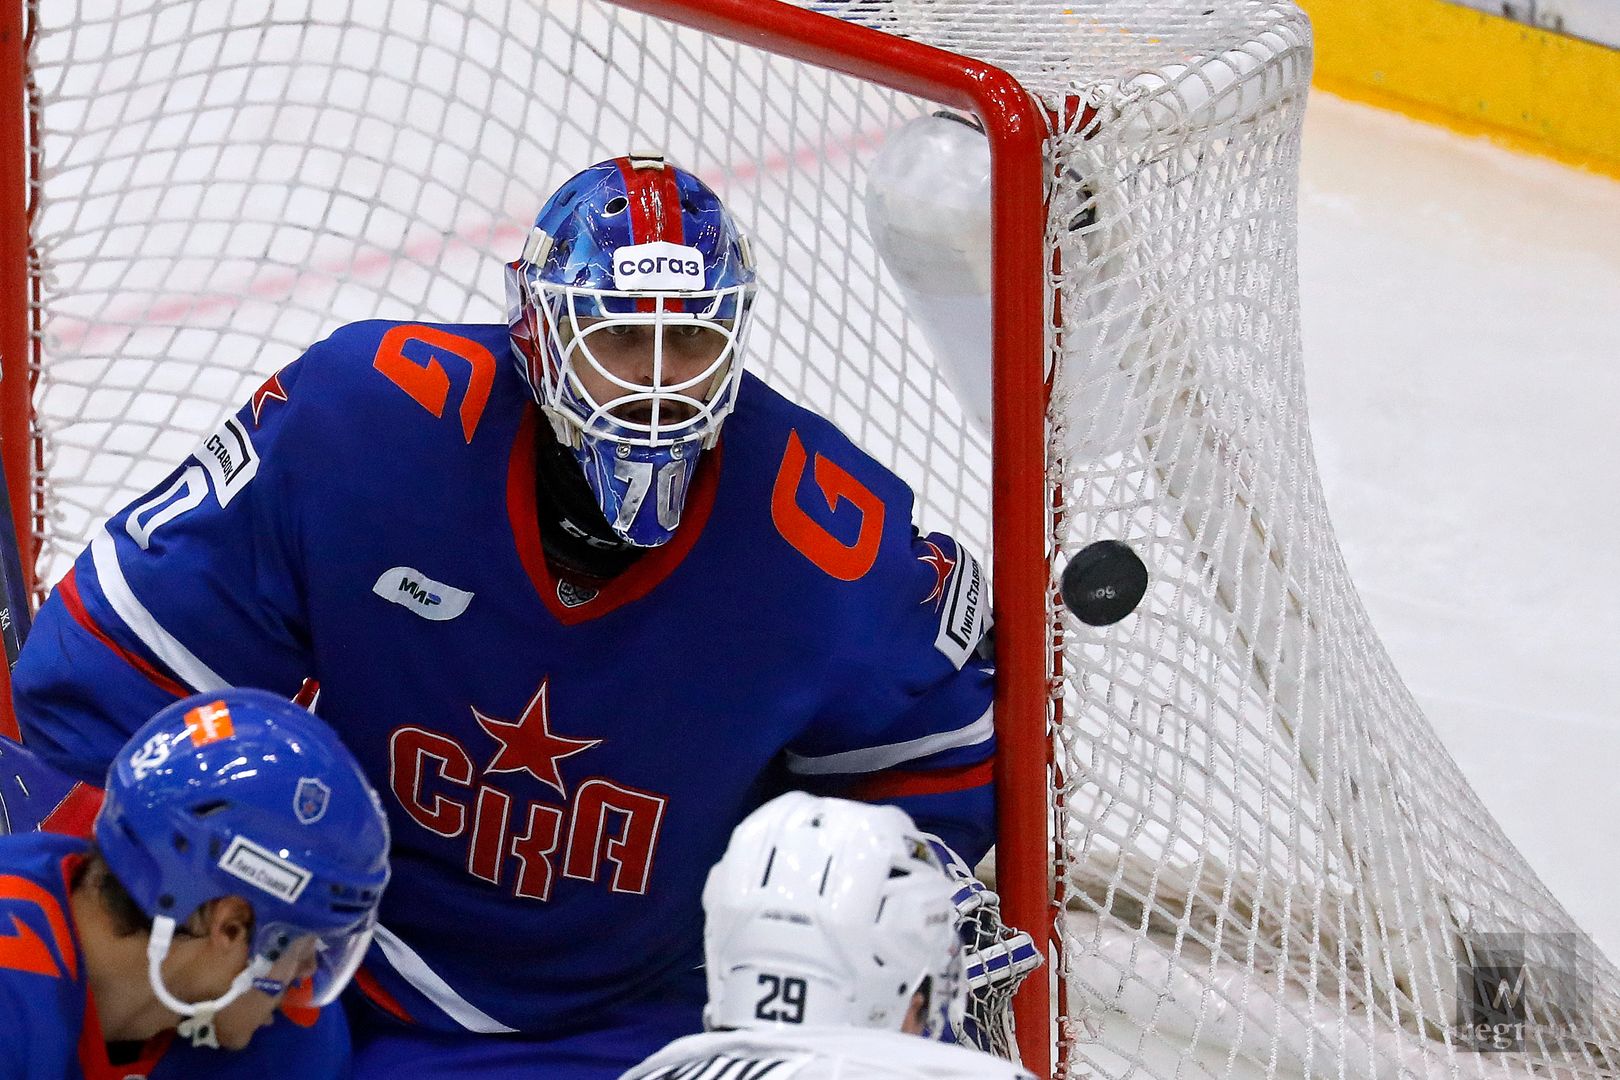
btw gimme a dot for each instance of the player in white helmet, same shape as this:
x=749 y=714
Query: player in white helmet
x=831 y=950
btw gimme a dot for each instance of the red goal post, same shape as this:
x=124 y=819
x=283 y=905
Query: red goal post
x=18 y=297
x=1016 y=127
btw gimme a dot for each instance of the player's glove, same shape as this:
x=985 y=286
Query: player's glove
x=998 y=957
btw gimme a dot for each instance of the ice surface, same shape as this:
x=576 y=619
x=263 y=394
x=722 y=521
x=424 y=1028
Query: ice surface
x=1462 y=350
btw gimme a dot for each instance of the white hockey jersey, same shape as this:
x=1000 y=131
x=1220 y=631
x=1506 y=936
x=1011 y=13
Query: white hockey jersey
x=819 y=1054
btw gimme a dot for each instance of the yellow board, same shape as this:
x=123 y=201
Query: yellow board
x=1479 y=73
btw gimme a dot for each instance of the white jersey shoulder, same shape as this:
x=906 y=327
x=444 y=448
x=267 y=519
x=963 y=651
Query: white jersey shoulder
x=819 y=1054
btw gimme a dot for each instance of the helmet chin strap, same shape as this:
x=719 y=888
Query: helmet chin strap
x=198 y=1022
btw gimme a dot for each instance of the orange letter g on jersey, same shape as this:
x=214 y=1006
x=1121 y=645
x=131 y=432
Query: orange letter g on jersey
x=846 y=562
x=426 y=380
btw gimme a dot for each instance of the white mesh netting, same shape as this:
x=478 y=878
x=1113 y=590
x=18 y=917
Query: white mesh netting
x=1266 y=864
x=225 y=183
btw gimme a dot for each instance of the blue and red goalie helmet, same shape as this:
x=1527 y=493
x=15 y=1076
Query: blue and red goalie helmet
x=629 y=307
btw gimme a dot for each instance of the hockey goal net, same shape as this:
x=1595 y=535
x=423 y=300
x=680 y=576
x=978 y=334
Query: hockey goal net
x=1248 y=851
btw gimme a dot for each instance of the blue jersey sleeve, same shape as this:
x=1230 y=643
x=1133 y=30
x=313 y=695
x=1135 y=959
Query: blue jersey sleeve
x=16 y=1006
x=914 y=725
x=40 y=1017
x=192 y=587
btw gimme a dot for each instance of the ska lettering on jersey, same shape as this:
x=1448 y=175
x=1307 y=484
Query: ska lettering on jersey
x=420 y=759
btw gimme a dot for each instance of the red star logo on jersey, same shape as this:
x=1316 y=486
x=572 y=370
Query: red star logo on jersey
x=942 y=565
x=528 y=745
x=271 y=390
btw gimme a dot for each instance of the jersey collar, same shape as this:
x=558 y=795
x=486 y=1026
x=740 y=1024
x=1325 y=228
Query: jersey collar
x=644 y=575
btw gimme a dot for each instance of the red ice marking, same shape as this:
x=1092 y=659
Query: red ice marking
x=74 y=335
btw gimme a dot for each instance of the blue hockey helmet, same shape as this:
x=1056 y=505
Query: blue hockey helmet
x=242 y=793
x=628 y=309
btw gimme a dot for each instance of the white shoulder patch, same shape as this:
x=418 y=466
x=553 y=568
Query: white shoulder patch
x=965 y=614
x=415 y=591
x=230 y=459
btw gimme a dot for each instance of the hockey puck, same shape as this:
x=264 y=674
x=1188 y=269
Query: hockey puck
x=1103 y=583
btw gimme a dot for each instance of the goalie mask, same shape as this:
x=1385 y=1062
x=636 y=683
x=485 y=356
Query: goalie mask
x=243 y=793
x=628 y=308
x=827 y=912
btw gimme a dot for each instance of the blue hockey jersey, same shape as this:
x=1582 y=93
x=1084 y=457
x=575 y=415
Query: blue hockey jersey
x=48 y=1024
x=561 y=765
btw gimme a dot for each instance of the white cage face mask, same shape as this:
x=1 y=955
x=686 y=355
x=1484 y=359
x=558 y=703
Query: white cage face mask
x=647 y=378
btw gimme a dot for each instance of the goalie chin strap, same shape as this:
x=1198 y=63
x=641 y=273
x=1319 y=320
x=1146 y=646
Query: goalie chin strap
x=198 y=1017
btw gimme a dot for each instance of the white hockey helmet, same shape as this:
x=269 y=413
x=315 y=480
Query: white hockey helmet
x=827 y=912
